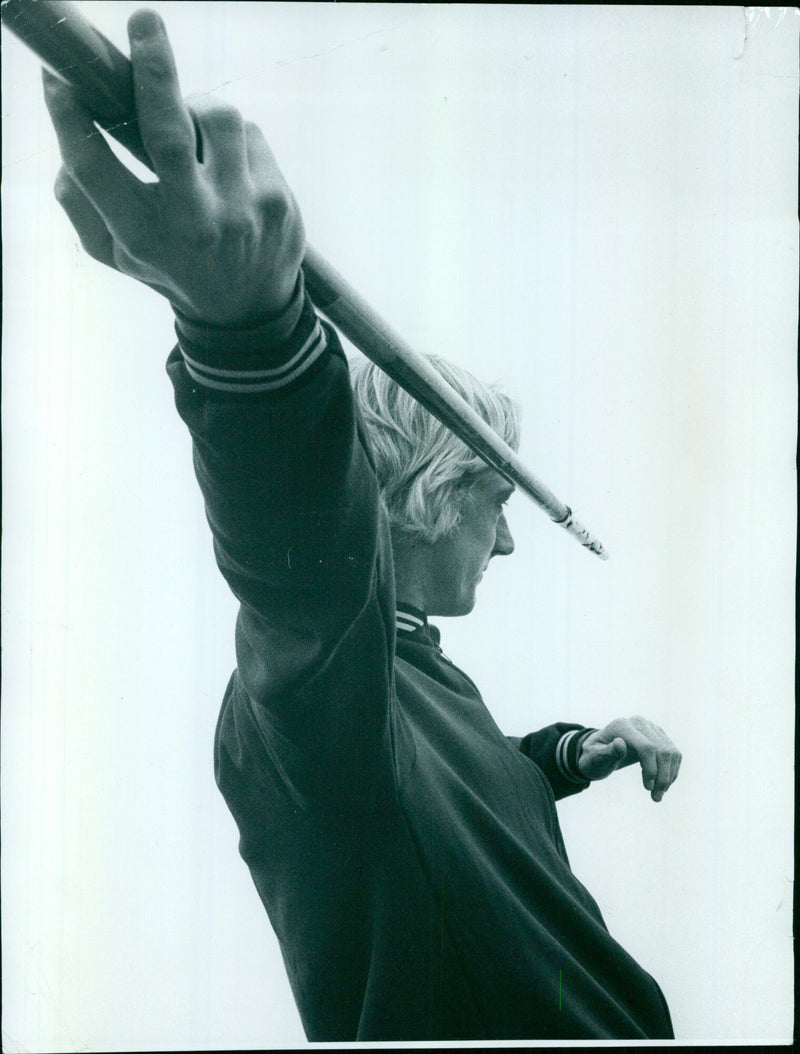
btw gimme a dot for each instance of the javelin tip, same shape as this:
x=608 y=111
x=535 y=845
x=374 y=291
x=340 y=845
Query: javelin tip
x=587 y=540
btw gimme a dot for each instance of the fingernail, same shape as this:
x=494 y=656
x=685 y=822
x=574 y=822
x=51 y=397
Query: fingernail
x=144 y=24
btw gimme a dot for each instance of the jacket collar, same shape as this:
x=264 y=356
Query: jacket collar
x=412 y=625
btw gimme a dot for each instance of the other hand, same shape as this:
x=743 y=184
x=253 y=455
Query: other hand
x=626 y=741
x=221 y=238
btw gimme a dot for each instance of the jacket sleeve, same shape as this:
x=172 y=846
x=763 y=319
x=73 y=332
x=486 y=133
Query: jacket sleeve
x=298 y=529
x=556 y=749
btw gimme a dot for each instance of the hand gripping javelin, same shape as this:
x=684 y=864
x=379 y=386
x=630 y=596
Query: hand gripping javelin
x=79 y=54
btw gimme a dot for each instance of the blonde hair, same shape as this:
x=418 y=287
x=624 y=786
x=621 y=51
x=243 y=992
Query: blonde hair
x=424 y=471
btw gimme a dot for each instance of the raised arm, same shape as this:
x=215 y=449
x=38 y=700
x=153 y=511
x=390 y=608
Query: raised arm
x=289 y=489
x=222 y=239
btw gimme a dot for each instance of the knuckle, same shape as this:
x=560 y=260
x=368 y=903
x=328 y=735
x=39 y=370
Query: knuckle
x=169 y=148
x=281 y=213
x=80 y=169
x=123 y=260
x=234 y=218
x=137 y=243
x=277 y=214
x=94 y=248
x=224 y=116
x=276 y=202
x=63 y=187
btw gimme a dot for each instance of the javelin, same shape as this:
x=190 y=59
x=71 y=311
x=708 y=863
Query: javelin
x=70 y=46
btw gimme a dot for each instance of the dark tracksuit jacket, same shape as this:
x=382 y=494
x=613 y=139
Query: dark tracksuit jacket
x=407 y=852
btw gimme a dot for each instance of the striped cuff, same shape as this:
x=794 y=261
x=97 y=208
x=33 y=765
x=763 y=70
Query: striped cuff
x=253 y=360
x=568 y=750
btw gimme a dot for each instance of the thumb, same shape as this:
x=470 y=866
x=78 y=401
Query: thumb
x=619 y=747
x=613 y=753
x=598 y=759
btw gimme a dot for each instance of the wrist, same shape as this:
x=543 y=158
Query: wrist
x=568 y=754
x=579 y=763
x=255 y=360
x=270 y=304
x=270 y=323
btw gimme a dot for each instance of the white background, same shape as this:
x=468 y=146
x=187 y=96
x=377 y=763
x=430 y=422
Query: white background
x=595 y=206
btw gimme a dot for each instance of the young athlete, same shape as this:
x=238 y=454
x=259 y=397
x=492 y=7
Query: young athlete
x=407 y=852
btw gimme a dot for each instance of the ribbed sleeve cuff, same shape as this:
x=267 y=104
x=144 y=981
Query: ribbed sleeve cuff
x=568 y=750
x=258 y=359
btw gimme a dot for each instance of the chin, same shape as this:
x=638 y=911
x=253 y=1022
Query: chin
x=456 y=600
x=461 y=606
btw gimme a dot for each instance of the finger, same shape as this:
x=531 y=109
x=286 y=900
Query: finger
x=85 y=218
x=619 y=748
x=669 y=760
x=613 y=753
x=598 y=760
x=88 y=159
x=164 y=121
x=224 y=146
x=259 y=156
x=95 y=236
x=662 y=781
x=275 y=195
x=263 y=167
x=646 y=753
x=654 y=750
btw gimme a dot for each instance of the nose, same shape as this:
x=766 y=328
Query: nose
x=503 y=539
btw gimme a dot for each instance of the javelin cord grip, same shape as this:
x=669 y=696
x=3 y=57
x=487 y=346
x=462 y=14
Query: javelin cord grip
x=70 y=46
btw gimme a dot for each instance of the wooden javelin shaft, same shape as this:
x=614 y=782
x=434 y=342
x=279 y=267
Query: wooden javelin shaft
x=70 y=46
x=362 y=325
